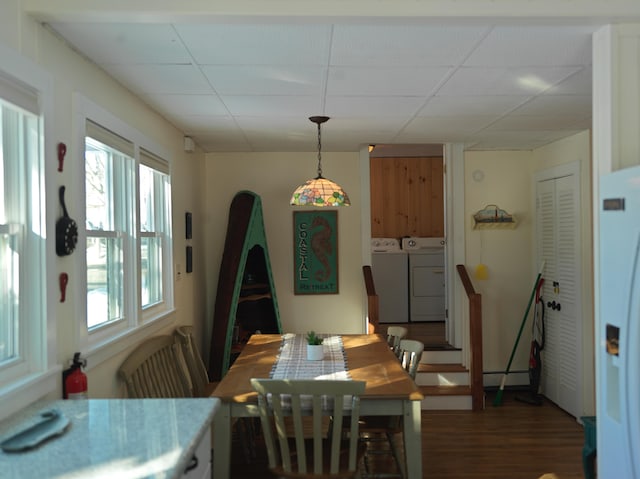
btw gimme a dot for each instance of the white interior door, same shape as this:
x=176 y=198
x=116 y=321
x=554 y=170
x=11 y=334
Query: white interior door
x=558 y=244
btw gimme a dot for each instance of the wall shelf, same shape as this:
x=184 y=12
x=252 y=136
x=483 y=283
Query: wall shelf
x=492 y=217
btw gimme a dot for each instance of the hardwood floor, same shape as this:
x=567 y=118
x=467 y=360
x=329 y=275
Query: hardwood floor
x=512 y=441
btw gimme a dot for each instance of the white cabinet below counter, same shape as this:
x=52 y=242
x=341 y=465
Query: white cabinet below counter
x=119 y=438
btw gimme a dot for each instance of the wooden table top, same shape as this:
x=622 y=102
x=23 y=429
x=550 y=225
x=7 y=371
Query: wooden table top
x=368 y=359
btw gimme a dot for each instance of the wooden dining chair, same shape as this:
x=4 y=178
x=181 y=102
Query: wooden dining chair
x=153 y=370
x=300 y=456
x=394 y=335
x=377 y=429
x=202 y=387
x=200 y=383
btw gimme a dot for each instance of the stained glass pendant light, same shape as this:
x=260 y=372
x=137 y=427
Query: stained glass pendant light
x=319 y=191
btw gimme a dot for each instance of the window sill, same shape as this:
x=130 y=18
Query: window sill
x=22 y=393
x=116 y=344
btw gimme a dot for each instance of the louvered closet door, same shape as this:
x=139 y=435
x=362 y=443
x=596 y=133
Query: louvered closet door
x=558 y=244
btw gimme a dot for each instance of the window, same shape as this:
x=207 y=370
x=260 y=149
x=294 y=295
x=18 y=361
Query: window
x=128 y=233
x=27 y=360
x=20 y=139
x=155 y=190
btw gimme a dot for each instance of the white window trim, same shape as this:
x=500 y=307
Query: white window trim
x=98 y=351
x=44 y=377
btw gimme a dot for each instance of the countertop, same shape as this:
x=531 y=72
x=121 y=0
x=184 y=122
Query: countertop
x=112 y=438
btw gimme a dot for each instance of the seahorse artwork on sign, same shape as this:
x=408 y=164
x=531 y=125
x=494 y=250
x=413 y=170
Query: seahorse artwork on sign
x=321 y=246
x=315 y=242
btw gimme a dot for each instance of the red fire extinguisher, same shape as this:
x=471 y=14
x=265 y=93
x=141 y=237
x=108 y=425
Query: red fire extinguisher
x=74 y=381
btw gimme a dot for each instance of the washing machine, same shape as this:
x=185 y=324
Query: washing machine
x=390 y=270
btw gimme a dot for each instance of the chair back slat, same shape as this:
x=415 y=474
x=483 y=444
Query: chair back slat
x=193 y=361
x=410 y=353
x=315 y=398
x=394 y=335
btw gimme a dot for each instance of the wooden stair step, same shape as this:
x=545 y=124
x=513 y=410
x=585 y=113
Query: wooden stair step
x=441 y=368
x=440 y=347
x=445 y=390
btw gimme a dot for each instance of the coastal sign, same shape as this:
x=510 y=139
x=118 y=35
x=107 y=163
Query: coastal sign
x=315 y=246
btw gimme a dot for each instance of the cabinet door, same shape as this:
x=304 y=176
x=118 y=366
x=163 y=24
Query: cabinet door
x=558 y=244
x=427 y=289
x=200 y=465
x=407 y=197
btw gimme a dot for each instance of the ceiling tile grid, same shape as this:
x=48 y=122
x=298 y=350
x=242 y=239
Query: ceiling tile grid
x=251 y=86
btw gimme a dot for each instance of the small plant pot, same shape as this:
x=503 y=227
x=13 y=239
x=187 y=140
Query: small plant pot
x=315 y=352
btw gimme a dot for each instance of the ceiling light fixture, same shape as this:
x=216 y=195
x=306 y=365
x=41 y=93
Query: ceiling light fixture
x=319 y=191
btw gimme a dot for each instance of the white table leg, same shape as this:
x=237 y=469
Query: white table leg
x=222 y=442
x=412 y=436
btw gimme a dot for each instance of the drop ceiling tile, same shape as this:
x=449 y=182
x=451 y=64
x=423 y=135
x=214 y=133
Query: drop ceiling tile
x=518 y=140
x=441 y=129
x=580 y=83
x=504 y=81
x=535 y=122
x=508 y=140
x=266 y=44
x=265 y=79
x=126 y=43
x=385 y=81
x=534 y=45
x=398 y=45
x=169 y=79
x=577 y=106
x=361 y=106
x=272 y=106
x=376 y=129
x=209 y=124
x=187 y=104
x=293 y=128
x=221 y=143
x=471 y=105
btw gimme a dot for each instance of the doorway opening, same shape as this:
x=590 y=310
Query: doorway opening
x=407 y=191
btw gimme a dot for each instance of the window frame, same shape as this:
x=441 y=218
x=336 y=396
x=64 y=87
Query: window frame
x=41 y=371
x=108 y=340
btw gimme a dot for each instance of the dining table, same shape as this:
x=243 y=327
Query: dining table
x=390 y=391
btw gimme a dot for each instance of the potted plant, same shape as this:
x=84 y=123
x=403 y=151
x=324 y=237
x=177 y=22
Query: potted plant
x=314 y=347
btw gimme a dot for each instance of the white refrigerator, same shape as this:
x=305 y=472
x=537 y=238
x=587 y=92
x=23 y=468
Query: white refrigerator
x=618 y=327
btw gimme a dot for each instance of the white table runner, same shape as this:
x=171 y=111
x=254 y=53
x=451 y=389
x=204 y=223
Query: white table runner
x=292 y=362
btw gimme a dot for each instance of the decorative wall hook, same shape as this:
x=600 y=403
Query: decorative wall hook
x=64 y=280
x=62 y=151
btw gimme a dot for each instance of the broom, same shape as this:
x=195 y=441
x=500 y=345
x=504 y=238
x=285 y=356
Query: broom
x=498 y=399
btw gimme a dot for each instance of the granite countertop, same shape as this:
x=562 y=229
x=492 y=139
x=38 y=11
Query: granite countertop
x=112 y=438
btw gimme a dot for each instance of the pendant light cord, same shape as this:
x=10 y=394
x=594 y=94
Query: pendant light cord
x=319 y=154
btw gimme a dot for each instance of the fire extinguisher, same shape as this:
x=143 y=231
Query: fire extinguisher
x=74 y=381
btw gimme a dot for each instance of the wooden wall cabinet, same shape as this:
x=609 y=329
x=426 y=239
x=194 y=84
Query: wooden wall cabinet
x=407 y=197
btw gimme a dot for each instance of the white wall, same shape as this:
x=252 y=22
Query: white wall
x=274 y=176
x=72 y=73
x=505 y=252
